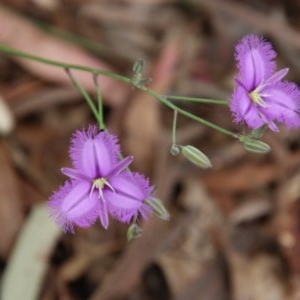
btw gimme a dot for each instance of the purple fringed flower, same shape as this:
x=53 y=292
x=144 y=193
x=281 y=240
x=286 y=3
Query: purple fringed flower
x=261 y=97
x=99 y=185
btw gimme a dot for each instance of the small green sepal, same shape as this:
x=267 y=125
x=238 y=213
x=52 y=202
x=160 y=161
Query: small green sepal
x=158 y=208
x=138 y=66
x=133 y=232
x=258 y=133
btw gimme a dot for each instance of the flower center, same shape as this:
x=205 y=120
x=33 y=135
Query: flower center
x=257 y=99
x=100 y=184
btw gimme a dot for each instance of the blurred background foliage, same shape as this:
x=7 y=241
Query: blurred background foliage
x=234 y=229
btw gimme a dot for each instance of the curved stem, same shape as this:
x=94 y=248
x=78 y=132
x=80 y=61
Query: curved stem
x=94 y=71
x=169 y=104
x=199 y=100
x=100 y=104
x=174 y=127
x=11 y=51
x=84 y=93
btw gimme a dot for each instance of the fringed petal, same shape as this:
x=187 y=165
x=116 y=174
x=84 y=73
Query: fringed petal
x=72 y=204
x=94 y=153
x=107 y=152
x=255 y=58
x=127 y=200
x=283 y=100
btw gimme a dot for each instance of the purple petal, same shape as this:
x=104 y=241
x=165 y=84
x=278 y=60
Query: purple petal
x=276 y=77
x=244 y=110
x=94 y=154
x=107 y=152
x=120 y=166
x=283 y=103
x=74 y=174
x=127 y=200
x=103 y=213
x=72 y=204
x=255 y=58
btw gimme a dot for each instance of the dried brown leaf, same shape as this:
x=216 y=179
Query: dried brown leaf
x=256 y=277
x=187 y=258
x=288 y=222
x=22 y=35
x=11 y=212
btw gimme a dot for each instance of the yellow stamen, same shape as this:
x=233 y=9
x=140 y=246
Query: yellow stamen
x=256 y=98
x=99 y=184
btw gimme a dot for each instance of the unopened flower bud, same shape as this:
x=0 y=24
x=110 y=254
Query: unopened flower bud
x=133 y=232
x=138 y=80
x=255 y=146
x=158 y=208
x=196 y=156
x=138 y=66
x=175 y=150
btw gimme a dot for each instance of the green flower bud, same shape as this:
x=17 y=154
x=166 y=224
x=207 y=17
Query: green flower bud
x=138 y=80
x=255 y=146
x=158 y=208
x=175 y=150
x=133 y=232
x=196 y=156
x=138 y=66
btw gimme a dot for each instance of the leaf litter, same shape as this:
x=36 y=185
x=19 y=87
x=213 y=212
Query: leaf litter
x=234 y=230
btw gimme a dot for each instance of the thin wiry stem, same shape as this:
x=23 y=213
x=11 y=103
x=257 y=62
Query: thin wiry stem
x=100 y=103
x=174 y=127
x=84 y=94
x=163 y=99
x=198 y=100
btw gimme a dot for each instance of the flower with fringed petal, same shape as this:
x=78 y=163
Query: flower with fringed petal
x=261 y=96
x=99 y=184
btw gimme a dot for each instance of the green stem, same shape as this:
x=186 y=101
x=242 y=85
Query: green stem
x=100 y=103
x=84 y=93
x=11 y=51
x=199 y=100
x=174 y=127
x=162 y=99
x=169 y=104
